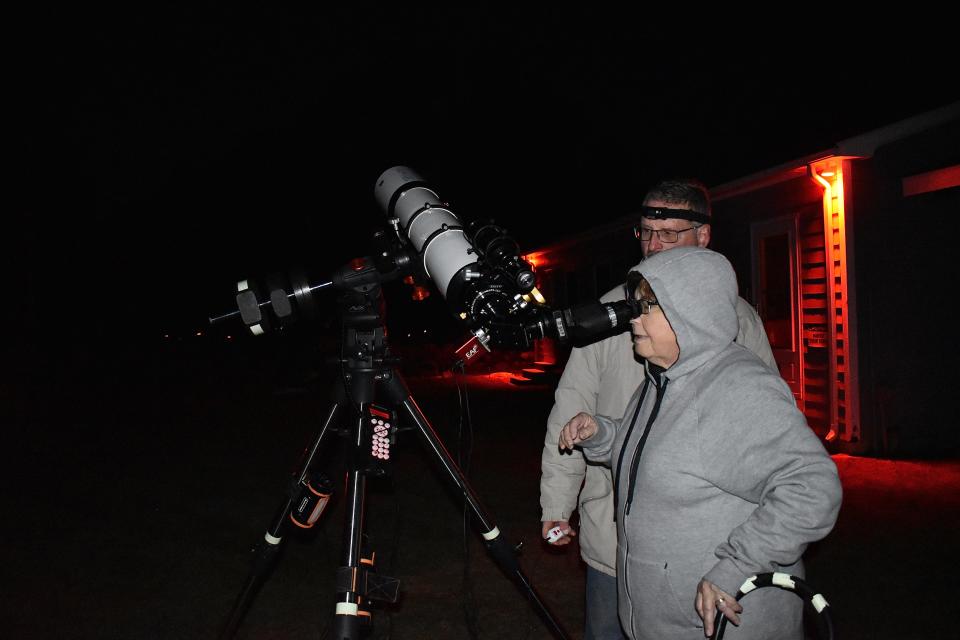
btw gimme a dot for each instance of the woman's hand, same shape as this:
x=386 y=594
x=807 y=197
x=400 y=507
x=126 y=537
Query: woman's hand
x=581 y=427
x=710 y=599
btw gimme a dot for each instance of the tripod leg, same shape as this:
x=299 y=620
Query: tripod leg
x=501 y=551
x=346 y=624
x=265 y=551
x=347 y=620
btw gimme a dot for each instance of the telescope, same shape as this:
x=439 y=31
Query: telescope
x=476 y=267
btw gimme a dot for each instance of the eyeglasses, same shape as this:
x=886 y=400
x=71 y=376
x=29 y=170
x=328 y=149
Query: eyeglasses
x=639 y=306
x=643 y=306
x=667 y=236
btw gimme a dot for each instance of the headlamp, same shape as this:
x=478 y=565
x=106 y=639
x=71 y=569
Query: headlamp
x=665 y=213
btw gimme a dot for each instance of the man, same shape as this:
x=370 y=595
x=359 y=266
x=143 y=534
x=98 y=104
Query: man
x=599 y=379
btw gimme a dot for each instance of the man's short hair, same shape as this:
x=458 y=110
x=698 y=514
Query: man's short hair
x=686 y=191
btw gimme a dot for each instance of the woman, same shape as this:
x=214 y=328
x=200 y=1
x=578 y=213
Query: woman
x=716 y=475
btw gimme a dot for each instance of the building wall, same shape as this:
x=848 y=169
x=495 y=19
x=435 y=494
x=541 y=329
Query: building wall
x=906 y=275
x=797 y=200
x=732 y=218
x=904 y=260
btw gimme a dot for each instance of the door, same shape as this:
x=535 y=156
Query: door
x=775 y=285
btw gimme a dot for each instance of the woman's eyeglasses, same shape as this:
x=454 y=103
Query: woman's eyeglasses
x=639 y=304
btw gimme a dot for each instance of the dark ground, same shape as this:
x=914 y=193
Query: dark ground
x=138 y=483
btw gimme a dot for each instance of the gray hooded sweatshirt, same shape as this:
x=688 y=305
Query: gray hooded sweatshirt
x=716 y=473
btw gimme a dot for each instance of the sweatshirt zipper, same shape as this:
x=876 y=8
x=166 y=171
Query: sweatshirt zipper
x=623 y=450
x=635 y=463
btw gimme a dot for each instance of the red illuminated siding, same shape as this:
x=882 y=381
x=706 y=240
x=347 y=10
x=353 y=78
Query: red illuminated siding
x=932 y=181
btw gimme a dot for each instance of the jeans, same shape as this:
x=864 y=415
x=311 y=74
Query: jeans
x=602 y=622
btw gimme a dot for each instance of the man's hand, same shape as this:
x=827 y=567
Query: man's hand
x=568 y=533
x=710 y=599
x=581 y=427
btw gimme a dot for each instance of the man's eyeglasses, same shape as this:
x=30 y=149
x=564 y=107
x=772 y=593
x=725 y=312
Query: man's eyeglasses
x=667 y=236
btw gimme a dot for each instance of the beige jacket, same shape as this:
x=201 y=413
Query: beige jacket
x=599 y=379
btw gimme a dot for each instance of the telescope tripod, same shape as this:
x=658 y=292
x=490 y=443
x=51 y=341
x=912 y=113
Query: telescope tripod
x=369 y=375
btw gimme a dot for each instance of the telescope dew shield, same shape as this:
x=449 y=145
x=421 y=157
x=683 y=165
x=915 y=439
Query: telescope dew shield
x=427 y=224
x=588 y=320
x=583 y=323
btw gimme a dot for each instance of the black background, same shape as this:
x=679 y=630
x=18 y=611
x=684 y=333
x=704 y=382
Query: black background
x=164 y=153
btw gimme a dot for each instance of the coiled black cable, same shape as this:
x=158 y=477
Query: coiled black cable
x=785 y=581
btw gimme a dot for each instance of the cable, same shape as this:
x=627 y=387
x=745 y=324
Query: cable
x=784 y=581
x=469 y=600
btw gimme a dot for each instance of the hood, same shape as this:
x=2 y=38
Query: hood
x=697 y=291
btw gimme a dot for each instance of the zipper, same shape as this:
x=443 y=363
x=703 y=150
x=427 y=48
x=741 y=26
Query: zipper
x=635 y=463
x=623 y=449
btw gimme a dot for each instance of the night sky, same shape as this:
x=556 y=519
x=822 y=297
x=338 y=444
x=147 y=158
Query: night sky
x=164 y=154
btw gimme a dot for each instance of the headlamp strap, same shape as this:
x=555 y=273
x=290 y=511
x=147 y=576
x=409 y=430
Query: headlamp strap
x=664 y=213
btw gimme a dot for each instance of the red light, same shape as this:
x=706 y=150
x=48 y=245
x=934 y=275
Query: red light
x=358 y=264
x=420 y=293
